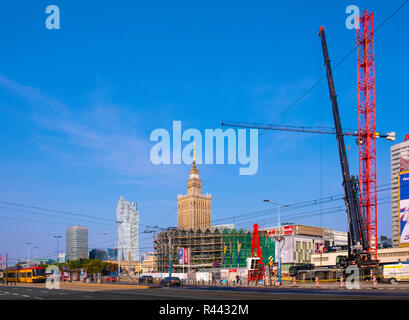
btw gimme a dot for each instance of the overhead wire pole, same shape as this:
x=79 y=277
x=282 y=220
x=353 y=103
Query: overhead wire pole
x=118 y=255
x=58 y=259
x=279 y=237
x=154 y=229
x=28 y=253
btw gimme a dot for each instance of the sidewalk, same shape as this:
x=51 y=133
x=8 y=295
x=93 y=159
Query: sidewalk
x=85 y=286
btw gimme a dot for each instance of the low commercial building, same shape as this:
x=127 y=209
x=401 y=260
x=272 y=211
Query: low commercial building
x=62 y=258
x=149 y=263
x=300 y=242
x=386 y=255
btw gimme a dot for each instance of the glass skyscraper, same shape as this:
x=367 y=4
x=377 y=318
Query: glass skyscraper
x=127 y=217
x=77 y=243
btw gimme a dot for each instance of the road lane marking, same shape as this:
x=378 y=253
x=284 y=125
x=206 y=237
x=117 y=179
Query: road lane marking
x=25 y=296
x=39 y=298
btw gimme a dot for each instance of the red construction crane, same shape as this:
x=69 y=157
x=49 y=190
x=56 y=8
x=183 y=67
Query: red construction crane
x=367 y=127
x=255 y=264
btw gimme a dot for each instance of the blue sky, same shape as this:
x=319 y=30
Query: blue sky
x=77 y=106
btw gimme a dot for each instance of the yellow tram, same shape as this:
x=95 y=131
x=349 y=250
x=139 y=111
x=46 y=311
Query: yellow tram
x=27 y=275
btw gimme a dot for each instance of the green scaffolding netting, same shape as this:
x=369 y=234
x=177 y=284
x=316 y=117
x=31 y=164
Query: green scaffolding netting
x=237 y=247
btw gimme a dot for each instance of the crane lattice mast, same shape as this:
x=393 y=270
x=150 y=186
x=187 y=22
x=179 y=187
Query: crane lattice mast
x=367 y=127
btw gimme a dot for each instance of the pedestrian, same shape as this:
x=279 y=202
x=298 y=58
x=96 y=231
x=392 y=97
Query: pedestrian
x=237 y=279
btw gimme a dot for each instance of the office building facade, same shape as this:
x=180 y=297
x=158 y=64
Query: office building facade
x=77 y=243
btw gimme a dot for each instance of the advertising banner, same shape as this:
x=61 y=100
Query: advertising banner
x=404 y=208
x=238 y=251
x=224 y=252
x=186 y=255
x=287 y=250
x=180 y=255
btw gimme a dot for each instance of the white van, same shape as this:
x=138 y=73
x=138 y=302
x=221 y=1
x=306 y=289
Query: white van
x=396 y=272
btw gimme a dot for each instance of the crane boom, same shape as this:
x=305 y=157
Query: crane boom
x=321 y=130
x=357 y=233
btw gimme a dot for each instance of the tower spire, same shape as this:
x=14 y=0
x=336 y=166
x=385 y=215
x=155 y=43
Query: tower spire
x=194 y=151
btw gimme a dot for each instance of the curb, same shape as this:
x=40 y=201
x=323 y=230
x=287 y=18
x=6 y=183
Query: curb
x=108 y=285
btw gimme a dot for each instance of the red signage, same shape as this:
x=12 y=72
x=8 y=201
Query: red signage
x=407 y=137
x=283 y=231
x=186 y=255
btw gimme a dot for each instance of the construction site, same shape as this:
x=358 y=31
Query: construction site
x=212 y=247
x=208 y=249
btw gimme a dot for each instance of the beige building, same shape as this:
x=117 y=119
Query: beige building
x=387 y=255
x=150 y=263
x=194 y=208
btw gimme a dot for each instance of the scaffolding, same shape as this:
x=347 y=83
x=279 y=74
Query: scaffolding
x=205 y=249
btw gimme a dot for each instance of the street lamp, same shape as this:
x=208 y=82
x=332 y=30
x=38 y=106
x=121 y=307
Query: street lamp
x=36 y=253
x=279 y=237
x=28 y=253
x=58 y=253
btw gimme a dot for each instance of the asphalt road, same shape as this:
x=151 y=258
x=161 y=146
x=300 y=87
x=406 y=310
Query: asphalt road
x=77 y=292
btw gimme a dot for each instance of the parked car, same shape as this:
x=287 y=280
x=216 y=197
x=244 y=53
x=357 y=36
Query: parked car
x=145 y=280
x=173 y=281
x=111 y=279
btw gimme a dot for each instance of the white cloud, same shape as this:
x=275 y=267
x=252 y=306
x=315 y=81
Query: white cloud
x=104 y=134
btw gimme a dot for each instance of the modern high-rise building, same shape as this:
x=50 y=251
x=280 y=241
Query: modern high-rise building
x=112 y=253
x=399 y=163
x=194 y=208
x=98 y=254
x=127 y=217
x=77 y=243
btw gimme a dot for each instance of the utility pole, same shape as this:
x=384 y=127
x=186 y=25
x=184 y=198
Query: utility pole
x=7 y=270
x=279 y=237
x=153 y=229
x=170 y=256
x=35 y=253
x=58 y=260
x=119 y=256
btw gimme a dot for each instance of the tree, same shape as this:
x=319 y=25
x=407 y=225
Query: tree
x=93 y=266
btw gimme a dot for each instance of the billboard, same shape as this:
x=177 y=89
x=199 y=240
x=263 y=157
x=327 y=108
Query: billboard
x=287 y=250
x=403 y=209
